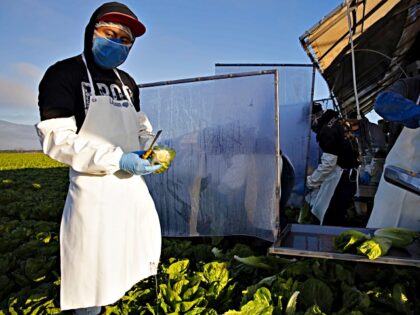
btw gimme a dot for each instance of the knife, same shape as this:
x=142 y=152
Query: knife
x=149 y=151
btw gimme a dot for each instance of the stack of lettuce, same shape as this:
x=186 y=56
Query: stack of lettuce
x=352 y=241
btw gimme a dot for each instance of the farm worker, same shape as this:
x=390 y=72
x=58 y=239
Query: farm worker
x=110 y=235
x=372 y=145
x=333 y=184
x=394 y=206
x=370 y=136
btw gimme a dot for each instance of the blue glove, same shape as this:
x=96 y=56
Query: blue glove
x=394 y=107
x=364 y=178
x=133 y=164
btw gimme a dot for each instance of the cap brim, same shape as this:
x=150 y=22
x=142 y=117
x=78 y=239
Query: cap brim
x=136 y=27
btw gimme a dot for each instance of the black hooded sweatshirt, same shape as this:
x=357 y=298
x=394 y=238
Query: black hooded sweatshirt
x=333 y=139
x=64 y=90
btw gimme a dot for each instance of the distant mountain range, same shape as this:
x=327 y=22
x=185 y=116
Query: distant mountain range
x=18 y=137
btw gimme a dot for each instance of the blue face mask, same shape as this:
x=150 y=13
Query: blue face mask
x=109 y=53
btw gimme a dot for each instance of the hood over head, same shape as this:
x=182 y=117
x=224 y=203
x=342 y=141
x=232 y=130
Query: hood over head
x=325 y=118
x=111 y=12
x=316 y=108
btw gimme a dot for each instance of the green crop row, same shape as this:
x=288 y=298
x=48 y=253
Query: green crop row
x=231 y=275
x=13 y=161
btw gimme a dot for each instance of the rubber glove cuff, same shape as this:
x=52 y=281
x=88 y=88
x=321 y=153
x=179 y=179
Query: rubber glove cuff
x=133 y=164
x=139 y=153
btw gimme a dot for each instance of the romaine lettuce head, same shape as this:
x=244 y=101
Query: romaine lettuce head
x=163 y=156
x=375 y=247
x=400 y=237
x=349 y=240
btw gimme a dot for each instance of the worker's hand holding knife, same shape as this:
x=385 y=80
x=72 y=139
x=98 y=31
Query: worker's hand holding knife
x=133 y=164
x=137 y=162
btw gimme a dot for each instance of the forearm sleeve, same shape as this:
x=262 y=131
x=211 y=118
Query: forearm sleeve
x=327 y=165
x=59 y=141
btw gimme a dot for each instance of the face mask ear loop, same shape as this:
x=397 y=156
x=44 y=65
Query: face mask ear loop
x=124 y=87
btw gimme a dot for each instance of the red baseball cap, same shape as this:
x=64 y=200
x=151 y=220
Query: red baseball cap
x=136 y=27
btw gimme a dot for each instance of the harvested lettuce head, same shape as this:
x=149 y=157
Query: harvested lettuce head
x=375 y=247
x=163 y=156
x=348 y=240
x=400 y=237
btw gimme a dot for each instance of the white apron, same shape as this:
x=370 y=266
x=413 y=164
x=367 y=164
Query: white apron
x=110 y=234
x=319 y=199
x=394 y=206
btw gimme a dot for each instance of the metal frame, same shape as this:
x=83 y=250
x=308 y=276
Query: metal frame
x=207 y=78
x=275 y=73
x=318 y=239
x=263 y=65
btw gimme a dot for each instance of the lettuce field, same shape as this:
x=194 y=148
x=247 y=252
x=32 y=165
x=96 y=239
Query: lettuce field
x=220 y=275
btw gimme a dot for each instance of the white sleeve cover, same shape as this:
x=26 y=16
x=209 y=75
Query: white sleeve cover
x=327 y=165
x=145 y=133
x=59 y=141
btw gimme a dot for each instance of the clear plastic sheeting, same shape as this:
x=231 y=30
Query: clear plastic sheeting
x=225 y=177
x=295 y=95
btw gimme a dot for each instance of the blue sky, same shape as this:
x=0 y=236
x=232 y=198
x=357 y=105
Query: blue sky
x=184 y=39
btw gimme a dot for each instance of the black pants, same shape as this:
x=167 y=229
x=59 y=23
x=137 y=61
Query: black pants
x=342 y=199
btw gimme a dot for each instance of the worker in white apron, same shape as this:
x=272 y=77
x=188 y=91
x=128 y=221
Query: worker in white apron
x=110 y=235
x=332 y=186
x=394 y=206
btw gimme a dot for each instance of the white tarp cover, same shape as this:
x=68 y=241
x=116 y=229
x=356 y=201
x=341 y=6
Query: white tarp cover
x=385 y=41
x=295 y=95
x=225 y=178
x=330 y=36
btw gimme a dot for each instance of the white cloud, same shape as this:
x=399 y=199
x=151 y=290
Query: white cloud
x=14 y=93
x=27 y=70
x=18 y=86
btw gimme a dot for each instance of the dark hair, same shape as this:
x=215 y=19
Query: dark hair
x=316 y=108
x=353 y=115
